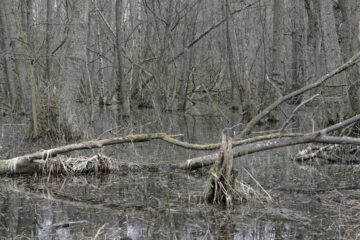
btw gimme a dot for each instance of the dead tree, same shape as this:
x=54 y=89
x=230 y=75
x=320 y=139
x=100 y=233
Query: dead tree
x=221 y=186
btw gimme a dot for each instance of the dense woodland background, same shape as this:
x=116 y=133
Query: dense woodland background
x=172 y=54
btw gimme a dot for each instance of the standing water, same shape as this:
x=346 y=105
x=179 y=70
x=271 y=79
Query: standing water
x=310 y=202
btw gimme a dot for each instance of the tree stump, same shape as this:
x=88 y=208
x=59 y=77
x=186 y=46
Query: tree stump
x=221 y=186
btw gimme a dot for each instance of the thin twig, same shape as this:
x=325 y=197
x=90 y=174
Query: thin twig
x=286 y=123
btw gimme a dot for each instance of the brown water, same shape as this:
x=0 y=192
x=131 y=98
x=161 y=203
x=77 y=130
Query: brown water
x=311 y=202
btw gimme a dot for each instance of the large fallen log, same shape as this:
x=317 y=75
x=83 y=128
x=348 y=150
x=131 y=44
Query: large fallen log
x=33 y=162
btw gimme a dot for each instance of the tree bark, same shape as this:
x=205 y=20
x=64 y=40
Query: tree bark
x=350 y=45
x=297 y=44
x=333 y=96
x=121 y=89
x=75 y=64
x=49 y=14
x=101 y=63
x=8 y=64
x=239 y=93
x=277 y=72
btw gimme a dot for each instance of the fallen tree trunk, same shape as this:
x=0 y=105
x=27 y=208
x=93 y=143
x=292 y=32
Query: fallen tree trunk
x=281 y=141
x=247 y=146
x=33 y=162
x=28 y=163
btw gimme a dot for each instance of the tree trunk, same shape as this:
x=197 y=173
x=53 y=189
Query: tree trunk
x=277 y=72
x=8 y=64
x=333 y=94
x=239 y=93
x=313 y=40
x=101 y=63
x=350 y=45
x=74 y=66
x=297 y=45
x=230 y=58
x=49 y=13
x=189 y=34
x=121 y=89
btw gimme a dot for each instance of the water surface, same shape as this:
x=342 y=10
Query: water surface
x=311 y=202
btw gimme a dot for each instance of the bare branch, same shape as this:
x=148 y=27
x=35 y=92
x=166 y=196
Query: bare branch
x=286 y=123
x=248 y=128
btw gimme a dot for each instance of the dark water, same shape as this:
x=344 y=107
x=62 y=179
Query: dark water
x=311 y=202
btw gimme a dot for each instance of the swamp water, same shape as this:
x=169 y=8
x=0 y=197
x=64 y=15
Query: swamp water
x=311 y=202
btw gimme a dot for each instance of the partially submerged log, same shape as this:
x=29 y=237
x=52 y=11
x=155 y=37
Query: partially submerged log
x=34 y=161
x=30 y=162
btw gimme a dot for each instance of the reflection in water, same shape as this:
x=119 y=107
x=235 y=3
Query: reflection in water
x=163 y=205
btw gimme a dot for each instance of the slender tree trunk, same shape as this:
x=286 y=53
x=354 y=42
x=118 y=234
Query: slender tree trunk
x=350 y=45
x=121 y=89
x=35 y=94
x=101 y=64
x=277 y=74
x=89 y=82
x=189 y=34
x=49 y=14
x=313 y=39
x=8 y=64
x=298 y=44
x=230 y=58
